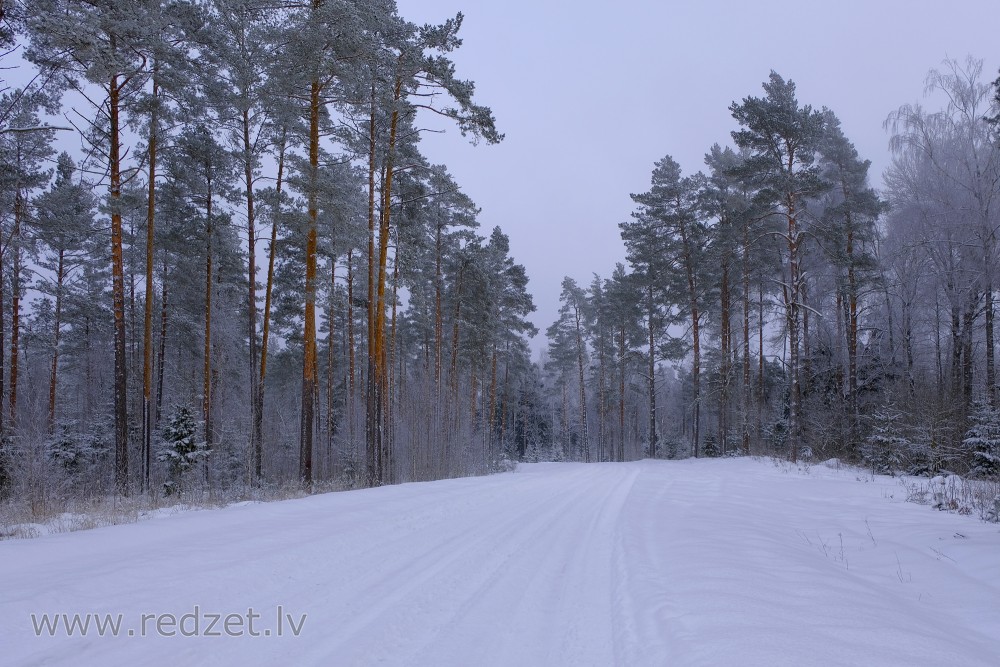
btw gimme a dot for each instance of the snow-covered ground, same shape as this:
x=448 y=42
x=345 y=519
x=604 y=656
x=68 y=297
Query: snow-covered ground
x=719 y=562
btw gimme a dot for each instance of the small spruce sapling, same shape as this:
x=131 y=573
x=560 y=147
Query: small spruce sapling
x=982 y=441
x=882 y=449
x=710 y=448
x=181 y=448
x=67 y=449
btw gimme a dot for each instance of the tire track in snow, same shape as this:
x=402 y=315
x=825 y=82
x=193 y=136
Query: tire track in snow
x=570 y=584
x=395 y=609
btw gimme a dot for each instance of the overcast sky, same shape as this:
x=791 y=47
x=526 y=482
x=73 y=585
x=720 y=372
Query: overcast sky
x=591 y=94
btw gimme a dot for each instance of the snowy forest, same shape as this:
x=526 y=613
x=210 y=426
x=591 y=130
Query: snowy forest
x=227 y=264
x=252 y=274
x=776 y=303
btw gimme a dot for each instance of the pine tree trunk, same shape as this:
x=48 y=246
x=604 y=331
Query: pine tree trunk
x=726 y=357
x=696 y=338
x=147 y=320
x=133 y=338
x=794 y=323
x=381 y=382
x=565 y=416
x=601 y=400
x=350 y=340
x=436 y=415
x=309 y=383
x=255 y=380
x=438 y=318
x=371 y=448
x=746 y=342
x=54 y=374
x=805 y=361
x=505 y=398
x=330 y=374
x=390 y=472
x=473 y=397
x=455 y=332
x=652 y=375
x=580 y=352
x=206 y=406
x=491 y=415
x=453 y=374
x=162 y=353
x=840 y=355
x=118 y=291
x=761 y=396
x=258 y=407
x=621 y=395
x=15 y=304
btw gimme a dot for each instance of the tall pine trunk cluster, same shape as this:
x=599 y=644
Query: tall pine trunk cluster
x=178 y=197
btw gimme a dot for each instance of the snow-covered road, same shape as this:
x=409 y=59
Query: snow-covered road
x=723 y=562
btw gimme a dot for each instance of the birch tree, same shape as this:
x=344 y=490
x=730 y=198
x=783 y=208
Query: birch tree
x=956 y=147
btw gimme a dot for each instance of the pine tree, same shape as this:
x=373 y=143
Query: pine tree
x=572 y=312
x=724 y=203
x=23 y=155
x=648 y=259
x=205 y=173
x=102 y=43
x=848 y=237
x=599 y=331
x=244 y=90
x=669 y=216
x=781 y=139
x=65 y=220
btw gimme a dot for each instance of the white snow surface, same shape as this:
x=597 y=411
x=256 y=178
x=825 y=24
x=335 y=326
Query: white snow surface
x=710 y=562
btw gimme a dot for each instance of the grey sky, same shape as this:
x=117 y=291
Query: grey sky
x=590 y=94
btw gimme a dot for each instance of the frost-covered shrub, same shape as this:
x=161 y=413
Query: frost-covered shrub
x=951 y=493
x=503 y=464
x=945 y=491
x=993 y=513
